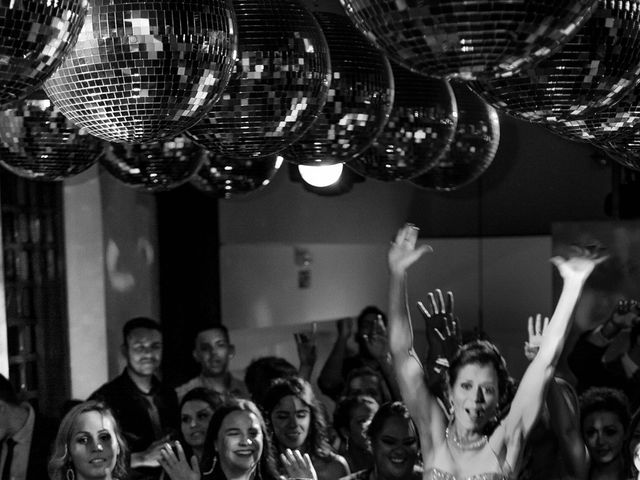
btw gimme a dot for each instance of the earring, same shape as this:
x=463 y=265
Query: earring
x=71 y=475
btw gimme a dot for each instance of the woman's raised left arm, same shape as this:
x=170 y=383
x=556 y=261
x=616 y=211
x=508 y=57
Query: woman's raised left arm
x=530 y=395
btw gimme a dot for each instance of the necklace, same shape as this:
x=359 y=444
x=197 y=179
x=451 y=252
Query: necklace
x=464 y=446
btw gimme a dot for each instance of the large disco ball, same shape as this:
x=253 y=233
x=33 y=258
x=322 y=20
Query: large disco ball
x=280 y=84
x=592 y=71
x=34 y=38
x=145 y=71
x=154 y=167
x=359 y=101
x=468 y=38
x=39 y=143
x=226 y=177
x=474 y=146
x=419 y=131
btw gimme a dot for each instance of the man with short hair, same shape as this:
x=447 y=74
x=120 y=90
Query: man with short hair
x=25 y=437
x=146 y=409
x=212 y=351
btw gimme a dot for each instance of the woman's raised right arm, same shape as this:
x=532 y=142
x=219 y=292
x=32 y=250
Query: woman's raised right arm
x=422 y=406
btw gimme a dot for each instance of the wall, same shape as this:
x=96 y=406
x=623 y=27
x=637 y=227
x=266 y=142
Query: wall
x=110 y=235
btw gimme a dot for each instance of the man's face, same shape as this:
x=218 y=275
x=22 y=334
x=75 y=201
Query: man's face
x=143 y=351
x=212 y=352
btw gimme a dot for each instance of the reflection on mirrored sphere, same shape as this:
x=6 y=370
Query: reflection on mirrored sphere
x=473 y=148
x=39 y=143
x=34 y=38
x=468 y=39
x=226 y=177
x=154 y=167
x=279 y=86
x=419 y=131
x=359 y=100
x=592 y=71
x=146 y=71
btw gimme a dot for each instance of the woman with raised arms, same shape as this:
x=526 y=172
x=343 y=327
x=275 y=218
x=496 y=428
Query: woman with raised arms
x=475 y=444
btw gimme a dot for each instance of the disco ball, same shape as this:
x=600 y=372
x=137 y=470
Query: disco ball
x=226 y=177
x=419 y=131
x=468 y=38
x=474 y=146
x=154 y=167
x=359 y=100
x=280 y=84
x=146 y=71
x=37 y=142
x=34 y=38
x=592 y=71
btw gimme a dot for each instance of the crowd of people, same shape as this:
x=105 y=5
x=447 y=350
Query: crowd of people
x=380 y=411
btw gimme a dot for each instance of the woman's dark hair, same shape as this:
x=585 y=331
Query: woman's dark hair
x=598 y=399
x=211 y=397
x=482 y=352
x=344 y=410
x=261 y=373
x=316 y=442
x=383 y=389
x=211 y=469
x=60 y=461
x=384 y=413
x=370 y=310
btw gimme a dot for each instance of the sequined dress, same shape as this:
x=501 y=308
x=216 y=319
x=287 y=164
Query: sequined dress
x=436 y=474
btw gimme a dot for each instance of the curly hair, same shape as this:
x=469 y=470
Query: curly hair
x=209 y=465
x=60 y=461
x=598 y=399
x=316 y=443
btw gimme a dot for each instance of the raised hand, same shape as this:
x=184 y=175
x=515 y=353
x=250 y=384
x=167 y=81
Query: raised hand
x=443 y=330
x=535 y=328
x=297 y=466
x=403 y=252
x=306 y=345
x=378 y=343
x=580 y=263
x=176 y=465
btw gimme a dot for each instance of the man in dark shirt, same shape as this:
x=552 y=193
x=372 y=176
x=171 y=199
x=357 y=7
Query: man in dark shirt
x=146 y=410
x=25 y=437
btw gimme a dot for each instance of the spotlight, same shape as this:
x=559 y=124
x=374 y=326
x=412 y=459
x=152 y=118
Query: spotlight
x=321 y=175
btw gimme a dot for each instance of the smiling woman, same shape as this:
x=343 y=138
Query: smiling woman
x=298 y=423
x=394 y=442
x=88 y=445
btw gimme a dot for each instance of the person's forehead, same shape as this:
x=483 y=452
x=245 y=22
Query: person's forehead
x=477 y=371
x=212 y=335
x=92 y=421
x=364 y=379
x=602 y=418
x=142 y=334
x=240 y=419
